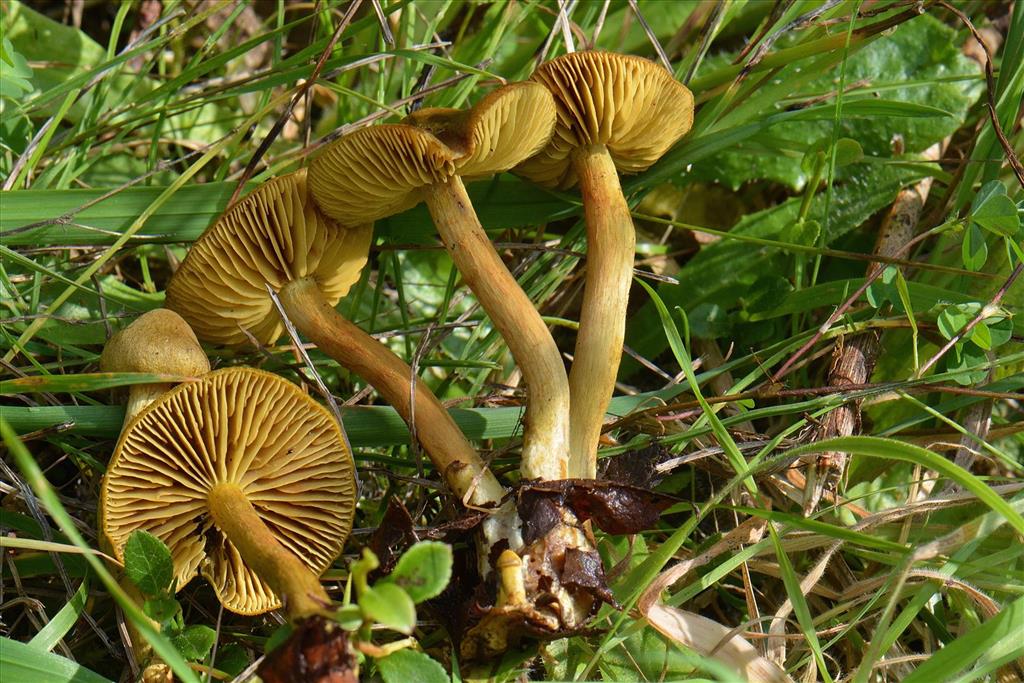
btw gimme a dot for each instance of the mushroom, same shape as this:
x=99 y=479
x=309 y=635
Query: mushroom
x=276 y=236
x=158 y=342
x=375 y=172
x=246 y=479
x=616 y=114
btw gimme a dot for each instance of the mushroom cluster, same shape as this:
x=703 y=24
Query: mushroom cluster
x=250 y=482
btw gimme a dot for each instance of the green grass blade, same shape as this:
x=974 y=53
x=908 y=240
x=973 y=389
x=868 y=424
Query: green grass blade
x=800 y=608
x=675 y=342
x=966 y=650
x=51 y=502
x=63 y=621
x=95 y=381
x=876 y=447
x=22 y=662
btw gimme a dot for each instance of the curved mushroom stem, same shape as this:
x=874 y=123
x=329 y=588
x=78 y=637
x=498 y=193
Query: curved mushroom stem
x=611 y=245
x=141 y=395
x=453 y=456
x=287 y=576
x=546 y=435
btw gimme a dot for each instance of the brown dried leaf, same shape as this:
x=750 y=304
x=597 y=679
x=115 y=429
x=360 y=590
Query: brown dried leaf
x=317 y=651
x=392 y=537
x=583 y=570
x=614 y=508
x=712 y=639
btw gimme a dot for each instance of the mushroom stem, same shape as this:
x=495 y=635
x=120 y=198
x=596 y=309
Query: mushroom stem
x=611 y=246
x=287 y=576
x=453 y=456
x=141 y=395
x=546 y=435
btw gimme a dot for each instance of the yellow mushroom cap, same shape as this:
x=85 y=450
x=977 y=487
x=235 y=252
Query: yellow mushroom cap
x=631 y=105
x=510 y=124
x=241 y=426
x=158 y=341
x=272 y=236
x=379 y=171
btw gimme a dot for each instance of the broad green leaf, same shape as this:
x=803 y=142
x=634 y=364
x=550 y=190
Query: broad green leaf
x=278 y=637
x=390 y=606
x=22 y=662
x=232 y=658
x=883 y=290
x=967 y=361
x=147 y=563
x=725 y=272
x=411 y=665
x=194 y=642
x=981 y=336
x=161 y=608
x=922 y=297
x=1000 y=330
x=423 y=570
x=922 y=102
x=15 y=73
x=647 y=655
x=995 y=211
x=974 y=249
x=848 y=151
x=349 y=617
x=952 y=319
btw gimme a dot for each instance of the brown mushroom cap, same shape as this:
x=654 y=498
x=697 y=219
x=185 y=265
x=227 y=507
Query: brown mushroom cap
x=507 y=126
x=274 y=235
x=381 y=171
x=629 y=104
x=241 y=426
x=158 y=341
x=377 y=172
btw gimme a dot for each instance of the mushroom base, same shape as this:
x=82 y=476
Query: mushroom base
x=548 y=591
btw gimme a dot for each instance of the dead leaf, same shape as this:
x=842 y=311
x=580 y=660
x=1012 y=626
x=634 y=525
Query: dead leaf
x=612 y=507
x=712 y=639
x=317 y=651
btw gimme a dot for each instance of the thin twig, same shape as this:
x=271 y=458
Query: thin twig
x=651 y=37
x=990 y=92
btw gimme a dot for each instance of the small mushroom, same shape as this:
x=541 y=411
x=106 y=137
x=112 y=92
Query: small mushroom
x=616 y=114
x=157 y=342
x=246 y=479
x=376 y=172
x=276 y=236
